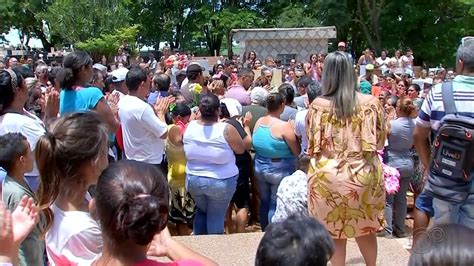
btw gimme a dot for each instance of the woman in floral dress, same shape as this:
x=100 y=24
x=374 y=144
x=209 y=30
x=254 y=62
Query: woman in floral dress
x=345 y=184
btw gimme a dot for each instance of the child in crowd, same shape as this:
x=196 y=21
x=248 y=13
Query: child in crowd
x=298 y=241
x=17 y=159
x=132 y=206
x=448 y=244
x=292 y=194
x=70 y=158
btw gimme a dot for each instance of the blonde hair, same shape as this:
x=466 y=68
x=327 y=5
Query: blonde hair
x=31 y=83
x=339 y=84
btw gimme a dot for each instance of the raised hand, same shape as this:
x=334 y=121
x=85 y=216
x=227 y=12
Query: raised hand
x=24 y=217
x=112 y=100
x=52 y=104
x=7 y=247
x=162 y=105
x=247 y=119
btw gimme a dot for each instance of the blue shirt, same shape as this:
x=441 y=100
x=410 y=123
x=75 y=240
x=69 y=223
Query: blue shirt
x=153 y=97
x=81 y=100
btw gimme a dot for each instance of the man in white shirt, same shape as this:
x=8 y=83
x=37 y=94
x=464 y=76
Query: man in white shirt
x=143 y=126
x=313 y=91
x=382 y=62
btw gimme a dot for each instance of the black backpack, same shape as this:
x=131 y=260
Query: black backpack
x=453 y=153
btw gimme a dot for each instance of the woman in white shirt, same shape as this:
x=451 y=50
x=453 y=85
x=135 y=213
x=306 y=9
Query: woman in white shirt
x=70 y=158
x=15 y=119
x=211 y=172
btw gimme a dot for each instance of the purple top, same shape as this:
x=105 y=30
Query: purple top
x=239 y=93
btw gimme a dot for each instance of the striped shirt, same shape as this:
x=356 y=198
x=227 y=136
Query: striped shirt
x=432 y=110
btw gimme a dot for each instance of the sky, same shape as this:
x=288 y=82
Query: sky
x=14 y=39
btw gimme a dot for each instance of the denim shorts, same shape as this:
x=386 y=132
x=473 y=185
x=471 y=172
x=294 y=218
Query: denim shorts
x=424 y=203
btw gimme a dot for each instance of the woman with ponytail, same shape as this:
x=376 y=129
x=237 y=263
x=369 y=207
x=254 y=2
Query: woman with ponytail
x=77 y=95
x=398 y=154
x=132 y=206
x=70 y=158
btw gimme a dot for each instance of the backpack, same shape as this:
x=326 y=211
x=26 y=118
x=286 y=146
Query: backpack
x=453 y=154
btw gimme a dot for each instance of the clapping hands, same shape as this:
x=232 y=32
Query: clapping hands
x=15 y=227
x=162 y=104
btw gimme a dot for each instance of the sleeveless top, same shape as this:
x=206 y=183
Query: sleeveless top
x=208 y=152
x=176 y=161
x=266 y=145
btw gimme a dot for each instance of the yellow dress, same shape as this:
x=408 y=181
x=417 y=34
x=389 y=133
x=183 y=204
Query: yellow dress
x=176 y=162
x=345 y=179
x=182 y=204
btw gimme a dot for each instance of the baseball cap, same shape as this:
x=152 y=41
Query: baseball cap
x=341 y=44
x=258 y=95
x=119 y=75
x=194 y=68
x=369 y=67
x=100 y=67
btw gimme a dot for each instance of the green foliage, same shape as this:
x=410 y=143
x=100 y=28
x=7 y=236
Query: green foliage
x=107 y=44
x=23 y=16
x=79 y=20
x=291 y=14
x=432 y=28
x=213 y=25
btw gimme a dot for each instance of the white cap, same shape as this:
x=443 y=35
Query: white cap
x=119 y=74
x=100 y=67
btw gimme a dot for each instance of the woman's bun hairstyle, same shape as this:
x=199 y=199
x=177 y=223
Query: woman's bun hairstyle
x=132 y=202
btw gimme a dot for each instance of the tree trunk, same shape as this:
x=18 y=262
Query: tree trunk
x=46 y=44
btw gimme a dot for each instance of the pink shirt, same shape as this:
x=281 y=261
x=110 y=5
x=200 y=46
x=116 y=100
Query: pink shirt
x=239 y=93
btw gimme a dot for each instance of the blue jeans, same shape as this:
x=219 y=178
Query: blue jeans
x=269 y=173
x=212 y=197
x=454 y=213
x=400 y=202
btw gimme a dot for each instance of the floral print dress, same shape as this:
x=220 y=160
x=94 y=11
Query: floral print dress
x=345 y=178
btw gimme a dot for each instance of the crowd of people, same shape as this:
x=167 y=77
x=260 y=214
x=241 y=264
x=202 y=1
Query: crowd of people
x=102 y=167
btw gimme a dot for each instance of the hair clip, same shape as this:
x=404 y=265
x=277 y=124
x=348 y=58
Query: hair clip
x=172 y=106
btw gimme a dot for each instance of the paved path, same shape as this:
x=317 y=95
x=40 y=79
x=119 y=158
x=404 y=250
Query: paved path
x=240 y=249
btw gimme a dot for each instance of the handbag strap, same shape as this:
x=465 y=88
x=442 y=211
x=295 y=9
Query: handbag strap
x=448 y=98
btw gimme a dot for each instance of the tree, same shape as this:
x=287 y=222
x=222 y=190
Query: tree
x=368 y=17
x=213 y=23
x=108 y=44
x=23 y=16
x=431 y=28
x=290 y=14
x=79 y=20
x=162 y=20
